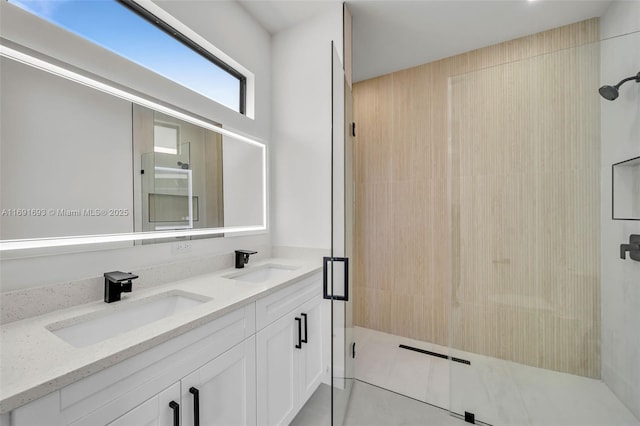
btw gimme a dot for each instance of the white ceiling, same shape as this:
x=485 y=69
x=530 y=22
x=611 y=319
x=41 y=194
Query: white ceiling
x=278 y=15
x=390 y=35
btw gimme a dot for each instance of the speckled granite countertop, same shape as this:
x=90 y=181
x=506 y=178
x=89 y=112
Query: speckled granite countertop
x=34 y=362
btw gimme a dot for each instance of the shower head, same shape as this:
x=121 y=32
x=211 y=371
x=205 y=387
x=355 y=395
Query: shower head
x=611 y=93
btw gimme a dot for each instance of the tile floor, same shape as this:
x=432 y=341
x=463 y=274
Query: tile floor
x=373 y=406
x=498 y=392
x=396 y=386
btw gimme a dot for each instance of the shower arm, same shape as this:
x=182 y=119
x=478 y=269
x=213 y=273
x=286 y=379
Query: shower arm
x=635 y=77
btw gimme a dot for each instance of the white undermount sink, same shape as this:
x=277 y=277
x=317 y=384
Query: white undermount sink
x=261 y=273
x=122 y=317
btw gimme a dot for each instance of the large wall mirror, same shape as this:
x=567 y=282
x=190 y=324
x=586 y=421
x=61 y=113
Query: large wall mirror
x=80 y=165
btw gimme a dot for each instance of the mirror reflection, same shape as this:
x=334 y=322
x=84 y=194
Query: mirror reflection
x=65 y=157
x=76 y=162
x=180 y=173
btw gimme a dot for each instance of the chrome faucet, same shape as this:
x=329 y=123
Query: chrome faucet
x=116 y=283
x=242 y=257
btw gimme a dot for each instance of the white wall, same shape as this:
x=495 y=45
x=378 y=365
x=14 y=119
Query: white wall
x=301 y=139
x=620 y=140
x=301 y=110
x=224 y=24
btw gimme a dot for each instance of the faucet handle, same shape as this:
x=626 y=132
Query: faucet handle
x=247 y=252
x=120 y=277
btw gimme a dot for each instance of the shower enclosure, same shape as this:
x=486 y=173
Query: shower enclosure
x=525 y=226
x=478 y=232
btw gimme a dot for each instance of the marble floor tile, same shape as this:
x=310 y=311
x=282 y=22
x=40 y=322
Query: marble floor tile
x=438 y=383
x=499 y=392
x=486 y=389
x=374 y=358
x=382 y=363
x=409 y=374
x=553 y=398
x=317 y=410
x=373 y=406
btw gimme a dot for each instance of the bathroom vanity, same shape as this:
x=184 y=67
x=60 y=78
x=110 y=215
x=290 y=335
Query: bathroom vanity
x=228 y=348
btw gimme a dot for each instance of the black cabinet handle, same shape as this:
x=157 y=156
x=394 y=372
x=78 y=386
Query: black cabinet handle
x=176 y=412
x=299 y=344
x=305 y=329
x=196 y=405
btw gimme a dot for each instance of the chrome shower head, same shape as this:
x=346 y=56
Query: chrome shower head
x=611 y=93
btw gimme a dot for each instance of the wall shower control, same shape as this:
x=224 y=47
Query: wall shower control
x=633 y=248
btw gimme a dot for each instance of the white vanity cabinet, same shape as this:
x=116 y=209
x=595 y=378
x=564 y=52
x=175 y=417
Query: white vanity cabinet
x=277 y=366
x=225 y=389
x=256 y=365
x=288 y=350
x=162 y=409
x=218 y=356
x=220 y=393
x=311 y=361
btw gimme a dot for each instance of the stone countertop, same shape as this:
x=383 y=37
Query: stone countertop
x=34 y=362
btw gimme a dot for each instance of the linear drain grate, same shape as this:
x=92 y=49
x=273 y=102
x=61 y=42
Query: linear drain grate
x=436 y=354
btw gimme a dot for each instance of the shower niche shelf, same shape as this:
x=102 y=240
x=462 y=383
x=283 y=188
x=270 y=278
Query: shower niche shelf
x=626 y=189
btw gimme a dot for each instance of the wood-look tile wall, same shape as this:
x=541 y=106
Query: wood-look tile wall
x=525 y=203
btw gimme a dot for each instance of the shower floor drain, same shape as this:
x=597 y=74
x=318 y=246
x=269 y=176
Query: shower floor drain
x=436 y=354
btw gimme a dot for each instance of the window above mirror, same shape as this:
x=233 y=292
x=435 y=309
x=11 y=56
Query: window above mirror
x=127 y=29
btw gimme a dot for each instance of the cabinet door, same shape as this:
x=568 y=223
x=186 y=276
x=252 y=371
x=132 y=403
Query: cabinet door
x=311 y=354
x=225 y=389
x=277 y=371
x=153 y=412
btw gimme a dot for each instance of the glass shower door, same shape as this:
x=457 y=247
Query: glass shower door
x=337 y=273
x=525 y=188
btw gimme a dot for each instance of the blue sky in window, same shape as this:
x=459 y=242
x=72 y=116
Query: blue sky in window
x=114 y=27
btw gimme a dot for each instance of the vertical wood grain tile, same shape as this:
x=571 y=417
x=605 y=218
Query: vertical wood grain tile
x=521 y=227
